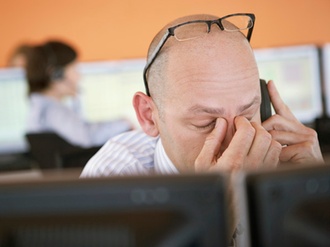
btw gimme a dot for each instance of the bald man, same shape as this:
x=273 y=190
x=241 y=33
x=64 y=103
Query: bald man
x=201 y=111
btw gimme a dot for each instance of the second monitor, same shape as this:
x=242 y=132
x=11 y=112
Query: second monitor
x=296 y=73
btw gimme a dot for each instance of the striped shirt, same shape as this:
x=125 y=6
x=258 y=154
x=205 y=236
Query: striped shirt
x=130 y=153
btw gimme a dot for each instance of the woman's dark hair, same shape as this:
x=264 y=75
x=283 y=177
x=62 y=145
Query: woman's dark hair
x=46 y=63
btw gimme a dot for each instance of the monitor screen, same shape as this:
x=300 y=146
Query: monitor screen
x=296 y=73
x=13 y=110
x=326 y=75
x=107 y=89
x=289 y=207
x=148 y=211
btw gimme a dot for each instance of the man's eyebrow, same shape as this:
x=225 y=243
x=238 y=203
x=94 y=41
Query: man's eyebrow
x=203 y=109
x=210 y=110
x=255 y=100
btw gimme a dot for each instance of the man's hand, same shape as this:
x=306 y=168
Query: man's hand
x=251 y=147
x=300 y=143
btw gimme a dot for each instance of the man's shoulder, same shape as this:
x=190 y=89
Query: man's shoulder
x=134 y=139
x=126 y=154
x=133 y=143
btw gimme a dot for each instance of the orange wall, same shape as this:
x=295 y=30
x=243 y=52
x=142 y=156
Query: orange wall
x=117 y=29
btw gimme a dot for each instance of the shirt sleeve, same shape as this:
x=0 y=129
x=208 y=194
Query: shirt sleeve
x=111 y=160
x=131 y=153
x=75 y=130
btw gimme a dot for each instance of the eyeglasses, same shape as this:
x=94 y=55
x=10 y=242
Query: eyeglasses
x=184 y=32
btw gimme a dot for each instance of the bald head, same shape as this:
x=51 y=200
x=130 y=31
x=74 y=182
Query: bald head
x=226 y=49
x=180 y=20
x=196 y=81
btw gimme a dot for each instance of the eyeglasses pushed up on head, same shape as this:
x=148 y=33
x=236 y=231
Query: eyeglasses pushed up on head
x=184 y=32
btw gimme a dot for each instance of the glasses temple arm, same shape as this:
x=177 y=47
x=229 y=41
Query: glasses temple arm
x=153 y=57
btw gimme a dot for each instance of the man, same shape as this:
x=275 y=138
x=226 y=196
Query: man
x=202 y=108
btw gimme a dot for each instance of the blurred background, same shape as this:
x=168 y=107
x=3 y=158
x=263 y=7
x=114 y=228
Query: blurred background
x=116 y=29
x=291 y=39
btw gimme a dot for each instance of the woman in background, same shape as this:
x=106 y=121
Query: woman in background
x=52 y=75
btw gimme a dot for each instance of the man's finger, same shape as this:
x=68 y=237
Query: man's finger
x=273 y=155
x=234 y=156
x=260 y=146
x=277 y=122
x=290 y=138
x=279 y=106
x=208 y=155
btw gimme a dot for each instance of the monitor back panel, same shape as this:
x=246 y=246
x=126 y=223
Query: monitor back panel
x=134 y=211
x=290 y=207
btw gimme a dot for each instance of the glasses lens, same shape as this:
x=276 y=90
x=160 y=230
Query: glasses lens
x=190 y=31
x=237 y=22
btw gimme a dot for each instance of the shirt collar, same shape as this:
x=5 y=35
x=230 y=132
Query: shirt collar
x=163 y=165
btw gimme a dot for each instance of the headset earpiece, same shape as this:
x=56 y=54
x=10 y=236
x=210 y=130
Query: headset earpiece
x=57 y=73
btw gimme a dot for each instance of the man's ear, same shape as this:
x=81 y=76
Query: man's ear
x=145 y=109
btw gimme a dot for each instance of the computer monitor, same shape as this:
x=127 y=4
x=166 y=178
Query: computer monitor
x=154 y=211
x=13 y=110
x=107 y=89
x=289 y=207
x=296 y=73
x=326 y=76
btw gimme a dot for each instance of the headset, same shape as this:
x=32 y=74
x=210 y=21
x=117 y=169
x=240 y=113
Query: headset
x=265 y=107
x=55 y=72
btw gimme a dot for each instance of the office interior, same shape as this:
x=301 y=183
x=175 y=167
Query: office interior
x=112 y=39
